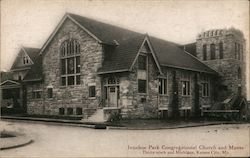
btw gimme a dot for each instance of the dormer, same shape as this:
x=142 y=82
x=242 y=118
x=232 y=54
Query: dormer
x=23 y=62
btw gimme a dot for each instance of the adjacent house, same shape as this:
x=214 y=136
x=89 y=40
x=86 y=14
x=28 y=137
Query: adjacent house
x=88 y=68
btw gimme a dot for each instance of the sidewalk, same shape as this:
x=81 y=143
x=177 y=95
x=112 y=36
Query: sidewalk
x=125 y=124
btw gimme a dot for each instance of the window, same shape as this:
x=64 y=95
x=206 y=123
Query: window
x=221 y=50
x=212 y=51
x=241 y=52
x=50 y=93
x=78 y=111
x=162 y=86
x=142 y=86
x=204 y=52
x=142 y=62
x=235 y=49
x=36 y=94
x=185 y=84
x=238 y=51
x=239 y=73
x=70 y=63
x=61 y=111
x=205 y=86
x=25 y=60
x=92 y=92
x=69 y=111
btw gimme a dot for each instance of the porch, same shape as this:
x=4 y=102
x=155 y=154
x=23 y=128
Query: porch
x=12 y=97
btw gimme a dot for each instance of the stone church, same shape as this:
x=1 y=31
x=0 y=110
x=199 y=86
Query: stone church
x=95 y=70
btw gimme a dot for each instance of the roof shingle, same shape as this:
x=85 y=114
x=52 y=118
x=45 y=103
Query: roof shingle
x=168 y=53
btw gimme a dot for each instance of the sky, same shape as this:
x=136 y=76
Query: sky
x=30 y=22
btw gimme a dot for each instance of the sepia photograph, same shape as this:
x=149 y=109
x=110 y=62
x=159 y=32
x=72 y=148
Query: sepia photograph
x=106 y=78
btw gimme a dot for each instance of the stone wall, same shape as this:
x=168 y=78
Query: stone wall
x=229 y=65
x=90 y=59
x=35 y=106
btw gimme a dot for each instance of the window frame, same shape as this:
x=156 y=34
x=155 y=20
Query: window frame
x=204 y=52
x=138 y=82
x=205 y=86
x=221 y=50
x=140 y=56
x=163 y=86
x=50 y=93
x=90 y=88
x=186 y=79
x=61 y=111
x=34 y=94
x=70 y=111
x=212 y=51
x=70 y=50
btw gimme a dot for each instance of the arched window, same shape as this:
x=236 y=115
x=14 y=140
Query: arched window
x=239 y=73
x=212 y=51
x=70 y=62
x=221 y=50
x=204 y=52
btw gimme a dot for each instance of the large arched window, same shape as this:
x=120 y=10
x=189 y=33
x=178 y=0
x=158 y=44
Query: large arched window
x=70 y=62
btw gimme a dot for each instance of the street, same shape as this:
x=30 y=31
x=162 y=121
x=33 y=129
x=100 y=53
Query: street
x=51 y=140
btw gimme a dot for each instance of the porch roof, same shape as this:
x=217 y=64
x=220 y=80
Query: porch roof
x=8 y=84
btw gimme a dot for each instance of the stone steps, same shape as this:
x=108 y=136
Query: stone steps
x=97 y=116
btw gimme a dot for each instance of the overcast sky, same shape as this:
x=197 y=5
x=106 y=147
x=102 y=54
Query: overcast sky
x=30 y=22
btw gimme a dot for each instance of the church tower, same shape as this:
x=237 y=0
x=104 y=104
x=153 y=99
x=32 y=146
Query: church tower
x=224 y=50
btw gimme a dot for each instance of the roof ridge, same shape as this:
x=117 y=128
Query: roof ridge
x=102 y=22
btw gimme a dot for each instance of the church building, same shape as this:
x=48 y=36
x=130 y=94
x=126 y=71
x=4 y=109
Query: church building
x=95 y=70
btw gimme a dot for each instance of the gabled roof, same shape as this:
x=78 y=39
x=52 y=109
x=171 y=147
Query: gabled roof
x=123 y=55
x=35 y=73
x=32 y=53
x=105 y=32
x=127 y=44
x=170 y=55
x=9 y=84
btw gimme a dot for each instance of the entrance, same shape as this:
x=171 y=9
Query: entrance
x=111 y=91
x=113 y=96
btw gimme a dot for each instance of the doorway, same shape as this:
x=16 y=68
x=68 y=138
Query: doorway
x=112 y=93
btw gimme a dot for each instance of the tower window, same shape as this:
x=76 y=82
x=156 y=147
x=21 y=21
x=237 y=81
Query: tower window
x=238 y=51
x=204 y=52
x=212 y=51
x=235 y=50
x=241 y=52
x=221 y=50
x=239 y=73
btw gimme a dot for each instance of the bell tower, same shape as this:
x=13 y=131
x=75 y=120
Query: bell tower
x=224 y=50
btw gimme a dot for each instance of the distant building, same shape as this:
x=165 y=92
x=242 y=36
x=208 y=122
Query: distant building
x=87 y=67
